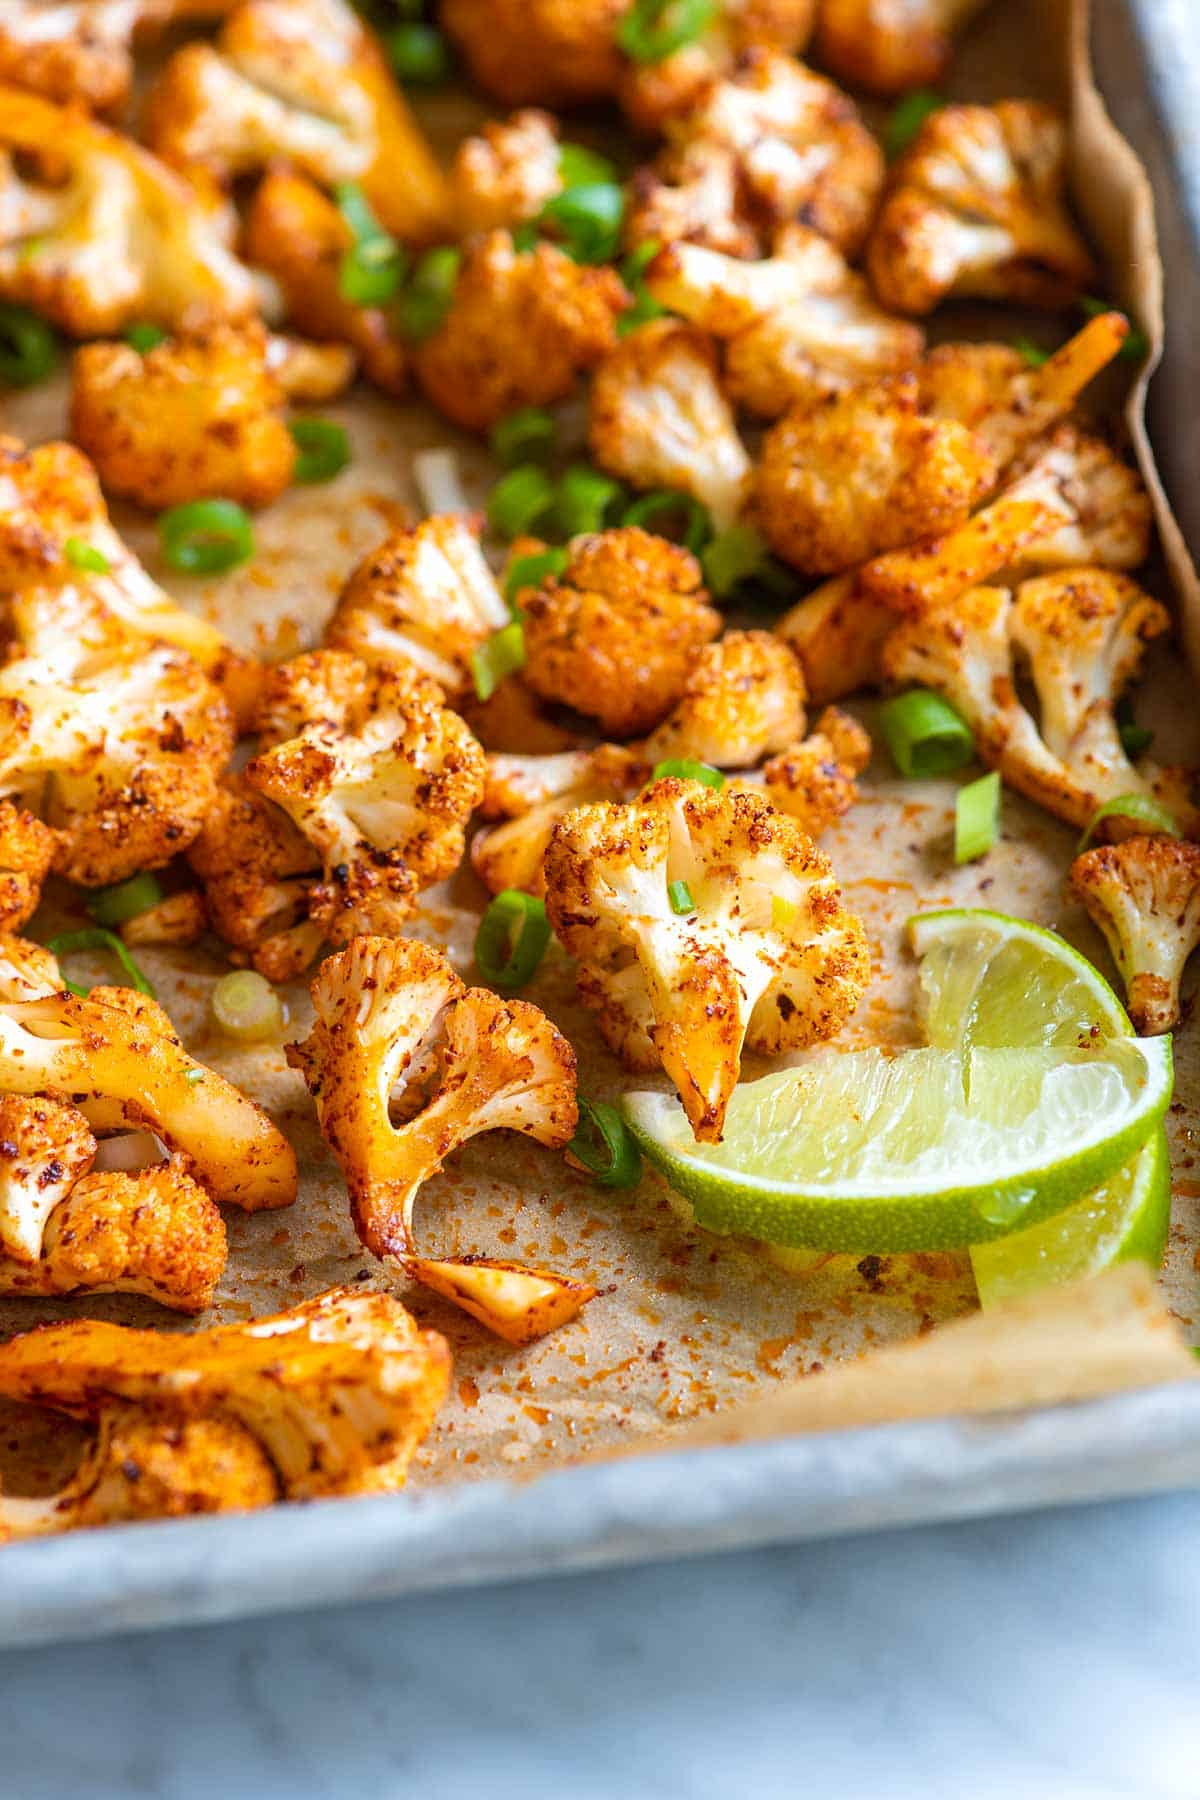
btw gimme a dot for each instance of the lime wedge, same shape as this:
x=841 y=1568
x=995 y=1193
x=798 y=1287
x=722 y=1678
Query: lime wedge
x=990 y=980
x=1126 y=1217
x=1032 y=1094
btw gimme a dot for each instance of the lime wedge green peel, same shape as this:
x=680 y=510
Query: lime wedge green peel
x=1032 y=1092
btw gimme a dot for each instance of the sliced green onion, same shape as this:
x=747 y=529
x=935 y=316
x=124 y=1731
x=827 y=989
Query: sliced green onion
x=246 y=1007
x=356 y=209
x=654 y=29
x=733 y=556
x=419 y=54
x=426 y=300
x=584 y=499
x=924 y=734
x=143 y=336
x=976 y=818
x=524 y=238
x=645 y=307
x=82 y=555
x=679 y=895
x=500 y=655
x=371 y=270
x=324 y=450
x=587 y=220
x=698 y=526
x=580 y=167
x=1141 y=808
x=126 y=900
x=605 y=1146
x=530 y=571
x=634 y=266
x=28 y=347
x=518 y=500
x=1135 y=738
x=193 y=1076
x=1033 y=353
x=205 y=537
x=524 y=436
x=93 y=938
x=905 y=120
x=1136 y=345
x=683 y=768
x=511 y=940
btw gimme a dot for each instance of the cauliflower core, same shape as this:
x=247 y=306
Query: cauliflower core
x=1144 y=894
x=765 y=957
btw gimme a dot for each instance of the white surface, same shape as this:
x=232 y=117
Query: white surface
x=1055 y=1654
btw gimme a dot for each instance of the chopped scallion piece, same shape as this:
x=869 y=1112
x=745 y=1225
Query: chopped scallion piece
x=426 y=300
x=604 y=1145
x=324 y=449
x=580 y=167
x=126 y=900
x=1033 y=353
x=906 y=119
x=28 y=347
x=587 y=220
x=679 y=894
x=518 y=500
x=500 y=655
x=530 y=571
x=1135 y=738
x=584 y=499
x=666 y=502
x=82 y=555
x=93 y=938
x=419 y=54
x=924 y=734
x=512 y=939
x=976 y=818
x=246 y=1007
x=144 y=336
x=1141 y=808
x=683 y=768
x=206 y=537
x=193 y=1076
x=524 y=436
x=372 y=269
x=735 y=555
x=654 y=29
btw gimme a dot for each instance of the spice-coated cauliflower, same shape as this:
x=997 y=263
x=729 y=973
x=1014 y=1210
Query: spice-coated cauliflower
x=424 y=599
x=814 y=782
x=690 y=193
x=975 y=207
x=652 y=93
x=97 y=233
x=530 y=794
x=743 y=701
x=796 y=327
x=302 y=82
x=538 y=52
x=330 y=1397
x=258 y=875
x=865 y=472
x=1144 y=894
x=659 y=418
x=191 y=418
x=81 y=51
x=614 y=635
x=505 y=173
x=891 y=46
x=521 y=327
x=378 y=776
x=762 y=952
x=27 y=850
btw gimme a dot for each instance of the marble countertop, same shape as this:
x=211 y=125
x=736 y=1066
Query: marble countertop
x=1051 y=1654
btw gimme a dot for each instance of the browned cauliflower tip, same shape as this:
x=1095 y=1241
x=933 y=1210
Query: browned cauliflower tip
x=258 y=873
x=505 y=173
x=975 y=207
x=891 y=46
x=864 y=473
x=27 y=849
x=521 y=328
x=744 y=699
x=530 y=794
x=538 y=52
x=190 y=419
x=652 y=93
x=1144 y=894
x=614 y=634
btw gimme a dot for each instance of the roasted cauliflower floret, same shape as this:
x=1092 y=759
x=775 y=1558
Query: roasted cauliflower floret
x=153 y=1232
x=180 y=918
x=122 y=761
x=1083 y=635
x=27 y=970
x=505 y=173
x=538 y=52
x=659 y=418
x=425 y=599
x=863 y=473
x=27 y=850
x=45 y=1148
x=96 y=233
x=614 y=635
x=302 y=82
x=530 y=794
x=890 y=46
x=258 y=874
x=81 y=51
x=330 y=1397
x=295 y=234
x=1096 y=507
x=652 y=92
x=975 y=207
x=838 y=633
x=800 y=150
x=992 y=389
x=189 y=419
x=377 y=775
x=766 y=956
x=1144 y=894
x=814 y=782
x=796 y=327
x=521 y=328
x=744 y=700
x=690 y=193
x=116 y=1056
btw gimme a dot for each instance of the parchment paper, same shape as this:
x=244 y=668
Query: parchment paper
x=686 y=1325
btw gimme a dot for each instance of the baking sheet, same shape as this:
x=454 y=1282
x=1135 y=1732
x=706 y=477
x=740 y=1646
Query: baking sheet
x=686 y=1324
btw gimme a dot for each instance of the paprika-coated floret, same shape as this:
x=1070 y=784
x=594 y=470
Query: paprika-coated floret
x=813 y=781
x=744 y=700
x=503 y=174
x=258 y=874
x=538 y=52
x=1144 y=894
x=27 y=849
x=651 y=93
x=81 y=51
x=891 y=46
x=530 y=794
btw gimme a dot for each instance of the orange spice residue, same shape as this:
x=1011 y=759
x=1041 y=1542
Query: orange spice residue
x=468 y=1391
